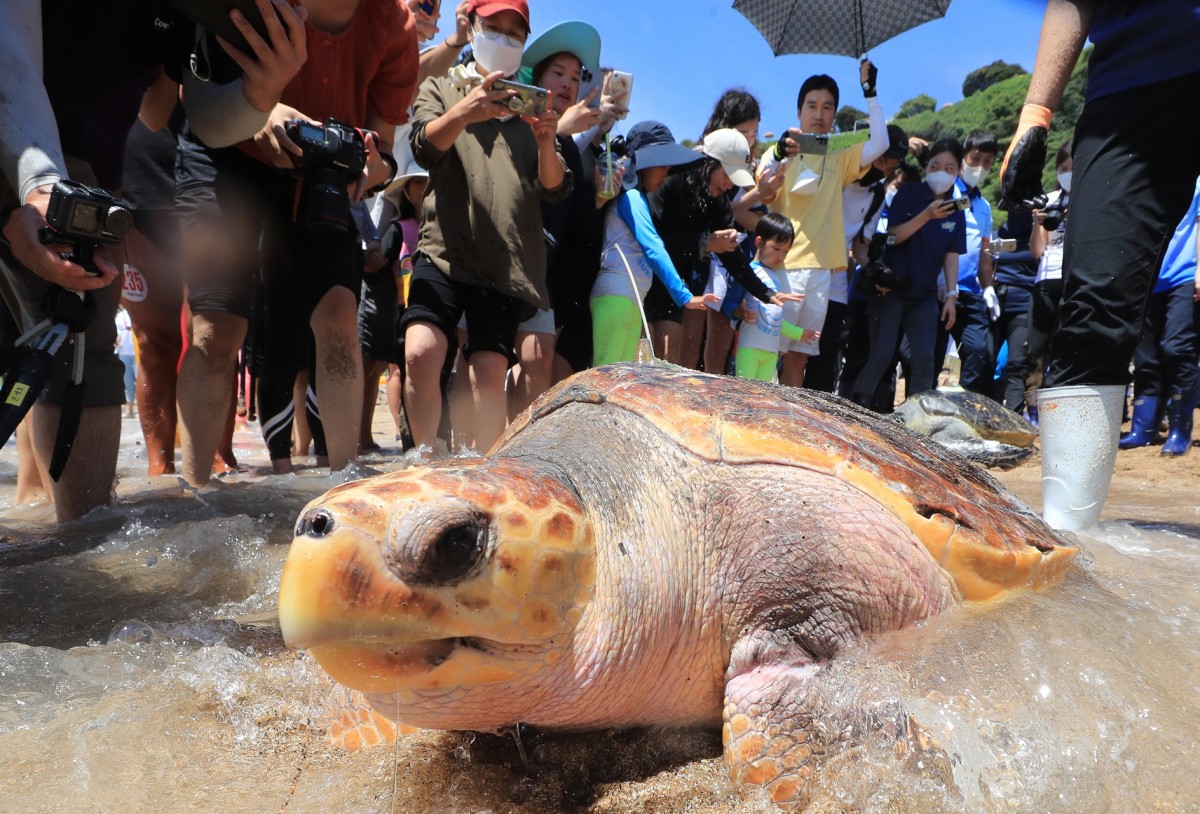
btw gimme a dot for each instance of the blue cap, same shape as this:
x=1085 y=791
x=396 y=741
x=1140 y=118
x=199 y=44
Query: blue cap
x=572 y=37
x=650 y=144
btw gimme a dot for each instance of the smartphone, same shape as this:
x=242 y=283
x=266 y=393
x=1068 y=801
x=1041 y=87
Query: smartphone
x=214 y=15
x=960 y=204
x=589 y=80
x=529 y=101
x=813 y=143
x=620 y=88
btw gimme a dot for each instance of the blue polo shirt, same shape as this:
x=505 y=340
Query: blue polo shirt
x=1141 y=42
x=1179 y=263
x=979 y=226
x=922 y=256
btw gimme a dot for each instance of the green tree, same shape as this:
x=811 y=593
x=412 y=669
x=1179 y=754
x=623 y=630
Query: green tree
x=918 y=104
x=983 y=78
x=846 y=117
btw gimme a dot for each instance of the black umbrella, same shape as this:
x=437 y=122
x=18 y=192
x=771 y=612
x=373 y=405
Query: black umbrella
x=849 y=27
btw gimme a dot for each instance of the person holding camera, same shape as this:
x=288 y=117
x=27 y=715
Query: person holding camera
x=928 y=233
x=978 y=304
x=282 y=202
x=1137 y=154
x=1046 y=245
x=53 y=76
x=482 y=251
x=809 y=190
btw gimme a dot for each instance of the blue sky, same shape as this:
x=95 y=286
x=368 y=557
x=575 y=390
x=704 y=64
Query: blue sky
x=684 y=53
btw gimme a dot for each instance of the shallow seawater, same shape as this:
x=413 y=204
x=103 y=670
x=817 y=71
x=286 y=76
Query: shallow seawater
x=143 y=675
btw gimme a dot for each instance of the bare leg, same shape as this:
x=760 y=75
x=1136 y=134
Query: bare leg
x=372 y=369
x=225 y=460
x=203 y=389
x=462 y=406
x=339 y=373
x=692 y=338
x=160 y=343
x=536 y=354
x=425 y=349
x=30 y=486
x=792 y=373
x=667 y=338
x=394 y=394
x=488 y=371
x=87 y=481
x=718 y=341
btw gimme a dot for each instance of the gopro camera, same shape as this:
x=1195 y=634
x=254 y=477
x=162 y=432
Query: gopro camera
x=529 y=101
x=78 y=213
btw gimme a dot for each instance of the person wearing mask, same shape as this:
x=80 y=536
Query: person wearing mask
x=1016 y=271
x=481 y=250
x=43 y=140
x=1165 y=360
x=978 y=305
x=929 y=231
x=1046 y=245
x=809 y=191
x=1137 y=155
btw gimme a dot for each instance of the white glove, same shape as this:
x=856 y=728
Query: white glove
x=992 y=302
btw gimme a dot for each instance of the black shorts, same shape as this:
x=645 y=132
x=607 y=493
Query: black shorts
x=377 y=316
x=492 y=317
x=236 y=217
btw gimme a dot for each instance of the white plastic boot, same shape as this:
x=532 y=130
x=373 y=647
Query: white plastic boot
x=1079 y=426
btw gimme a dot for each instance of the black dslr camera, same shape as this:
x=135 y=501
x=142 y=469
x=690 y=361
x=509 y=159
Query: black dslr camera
x=334 y=154
x=83 y=217
x=1056 y=213
x=875 y=275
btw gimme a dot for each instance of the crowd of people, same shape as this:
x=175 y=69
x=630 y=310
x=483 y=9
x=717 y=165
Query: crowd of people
x=347 y=193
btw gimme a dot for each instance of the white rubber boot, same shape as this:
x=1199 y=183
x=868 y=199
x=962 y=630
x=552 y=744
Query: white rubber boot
x=1080 y=427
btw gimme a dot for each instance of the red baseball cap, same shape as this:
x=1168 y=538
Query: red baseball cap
x=486 y=8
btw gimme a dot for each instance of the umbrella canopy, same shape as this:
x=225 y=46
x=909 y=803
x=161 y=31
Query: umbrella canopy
x=850 y=27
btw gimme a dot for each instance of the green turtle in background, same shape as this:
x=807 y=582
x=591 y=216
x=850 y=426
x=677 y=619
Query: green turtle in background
x=974 y=426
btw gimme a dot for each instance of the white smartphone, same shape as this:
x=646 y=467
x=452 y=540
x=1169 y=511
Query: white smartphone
x=620 y=88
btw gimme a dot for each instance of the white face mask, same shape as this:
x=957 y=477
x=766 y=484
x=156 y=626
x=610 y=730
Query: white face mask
x=939 y=181
x=1064 y=181
x=974 y=176
x=497 y=52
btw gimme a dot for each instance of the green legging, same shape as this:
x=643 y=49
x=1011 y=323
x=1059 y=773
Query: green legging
x=616 y=329
x=752 y=363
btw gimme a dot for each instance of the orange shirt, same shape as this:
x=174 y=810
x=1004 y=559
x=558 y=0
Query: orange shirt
x=371 y=65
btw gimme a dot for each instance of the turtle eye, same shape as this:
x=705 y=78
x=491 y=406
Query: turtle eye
x=441 y=544
x=455 y=551
x=316 y=524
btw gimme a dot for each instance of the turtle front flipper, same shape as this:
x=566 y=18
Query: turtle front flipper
x=354 y=724
x=767 y=722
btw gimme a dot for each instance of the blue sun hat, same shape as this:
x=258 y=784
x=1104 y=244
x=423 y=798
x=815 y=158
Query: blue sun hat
x=650 y=144
x=574 y=37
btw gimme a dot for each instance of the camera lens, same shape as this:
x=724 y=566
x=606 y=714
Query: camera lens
x=515 y=104
x=118 y=220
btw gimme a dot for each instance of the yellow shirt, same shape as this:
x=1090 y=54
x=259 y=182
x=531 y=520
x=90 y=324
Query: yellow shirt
x=817 y=218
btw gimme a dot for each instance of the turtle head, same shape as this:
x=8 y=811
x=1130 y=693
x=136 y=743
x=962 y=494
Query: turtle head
x=436 y=578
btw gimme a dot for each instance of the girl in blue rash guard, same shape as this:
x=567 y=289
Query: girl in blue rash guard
x=632 y=247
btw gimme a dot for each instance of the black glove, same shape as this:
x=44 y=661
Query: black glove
x=781 y=146
x=868 y=86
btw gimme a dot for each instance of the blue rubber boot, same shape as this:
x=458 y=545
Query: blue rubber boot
x=1179 y=414
x=1143 y=424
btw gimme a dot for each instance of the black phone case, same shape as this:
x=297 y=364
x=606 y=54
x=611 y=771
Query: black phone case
x=214 y=15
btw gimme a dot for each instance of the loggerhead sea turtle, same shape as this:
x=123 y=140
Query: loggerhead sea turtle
x=974 y=426
x=651 y=546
